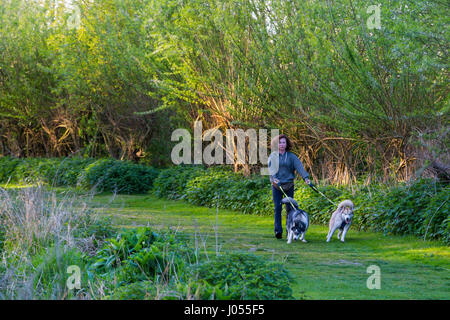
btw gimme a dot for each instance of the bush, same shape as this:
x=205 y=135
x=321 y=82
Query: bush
x=54 y=171
x=436 y=224
x=119 y=176
x=7 y=168
x=115 y=251
x=138 y=261
x=412 y=208
x=105 y=174
x=68 y=171
x=208 y=186
x=149 y=290
x=246 y=276
x=228 y=189
x=41 y=235
x=140 y=254
x=141 y=290
x=171 y=183
x=200 y=290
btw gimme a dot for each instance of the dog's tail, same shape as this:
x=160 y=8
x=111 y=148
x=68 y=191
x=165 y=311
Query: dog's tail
x=345 y=203
x=289 y=200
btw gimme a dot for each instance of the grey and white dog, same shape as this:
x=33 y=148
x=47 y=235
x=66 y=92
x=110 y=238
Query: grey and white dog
x=342 y=218
x=297 y=220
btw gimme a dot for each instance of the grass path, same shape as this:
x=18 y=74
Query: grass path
x=410 y=268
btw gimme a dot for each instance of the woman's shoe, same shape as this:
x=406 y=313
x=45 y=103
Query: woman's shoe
x=278 y=235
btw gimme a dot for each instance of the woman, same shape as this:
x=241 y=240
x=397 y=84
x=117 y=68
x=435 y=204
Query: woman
x=283 y=175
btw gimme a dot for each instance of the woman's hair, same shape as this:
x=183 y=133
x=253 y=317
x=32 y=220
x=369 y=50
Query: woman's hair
x=277 y=139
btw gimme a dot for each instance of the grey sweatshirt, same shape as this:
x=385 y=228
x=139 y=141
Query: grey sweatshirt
x=287 y=163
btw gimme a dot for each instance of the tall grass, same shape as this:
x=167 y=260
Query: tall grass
x=42 y=233
x=34 y=218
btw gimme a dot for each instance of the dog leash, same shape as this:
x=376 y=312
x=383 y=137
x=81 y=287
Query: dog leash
x=318 y=191
x=286 y=196
x=312 y=187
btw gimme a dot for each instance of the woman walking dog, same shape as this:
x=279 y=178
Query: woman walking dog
x=288 y=163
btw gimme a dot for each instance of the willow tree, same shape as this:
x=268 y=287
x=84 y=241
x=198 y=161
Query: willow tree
x=349 y=92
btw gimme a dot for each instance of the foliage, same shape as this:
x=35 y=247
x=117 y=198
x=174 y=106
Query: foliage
x=119 y=176
x=49 y=270
x=138 y=261
x=116 y=250
x=416 y=209
x=244 y=276
x=54 y=171
x=96 y=229
x=171 y=182
x=219 y=186
x=7 y=168
x=104 y=174
x=129 y=72
x=140 y=255
x=140 y=290
x=41 y=234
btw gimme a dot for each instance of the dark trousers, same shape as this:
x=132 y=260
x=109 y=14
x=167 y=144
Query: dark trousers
x=277 y=196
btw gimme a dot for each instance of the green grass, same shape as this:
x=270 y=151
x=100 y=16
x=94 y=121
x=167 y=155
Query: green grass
x=410 y=268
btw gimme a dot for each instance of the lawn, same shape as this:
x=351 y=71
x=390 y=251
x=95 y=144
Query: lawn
x=409 y=267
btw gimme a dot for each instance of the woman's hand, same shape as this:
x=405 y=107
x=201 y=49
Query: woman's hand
x=275 y=182
x=307 y=181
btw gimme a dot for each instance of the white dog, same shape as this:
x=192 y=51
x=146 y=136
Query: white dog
x=342 y=218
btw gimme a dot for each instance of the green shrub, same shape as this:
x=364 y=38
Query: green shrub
x=230 y=190
x=68 y=171
x=208 y=186
x=53 y=171
x=244 y=276
x=171 y=182
x=117 y=250
x=119 y=176
x=105 y=174
x=7 y=169
x=140 y=254
x=436 y=223
x=410 y=208
x=138 y=257
x=30 y=168
x=200 y=290
x=141 y=290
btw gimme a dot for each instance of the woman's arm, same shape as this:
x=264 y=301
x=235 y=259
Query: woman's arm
x=274 y=181
x=300 y=169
